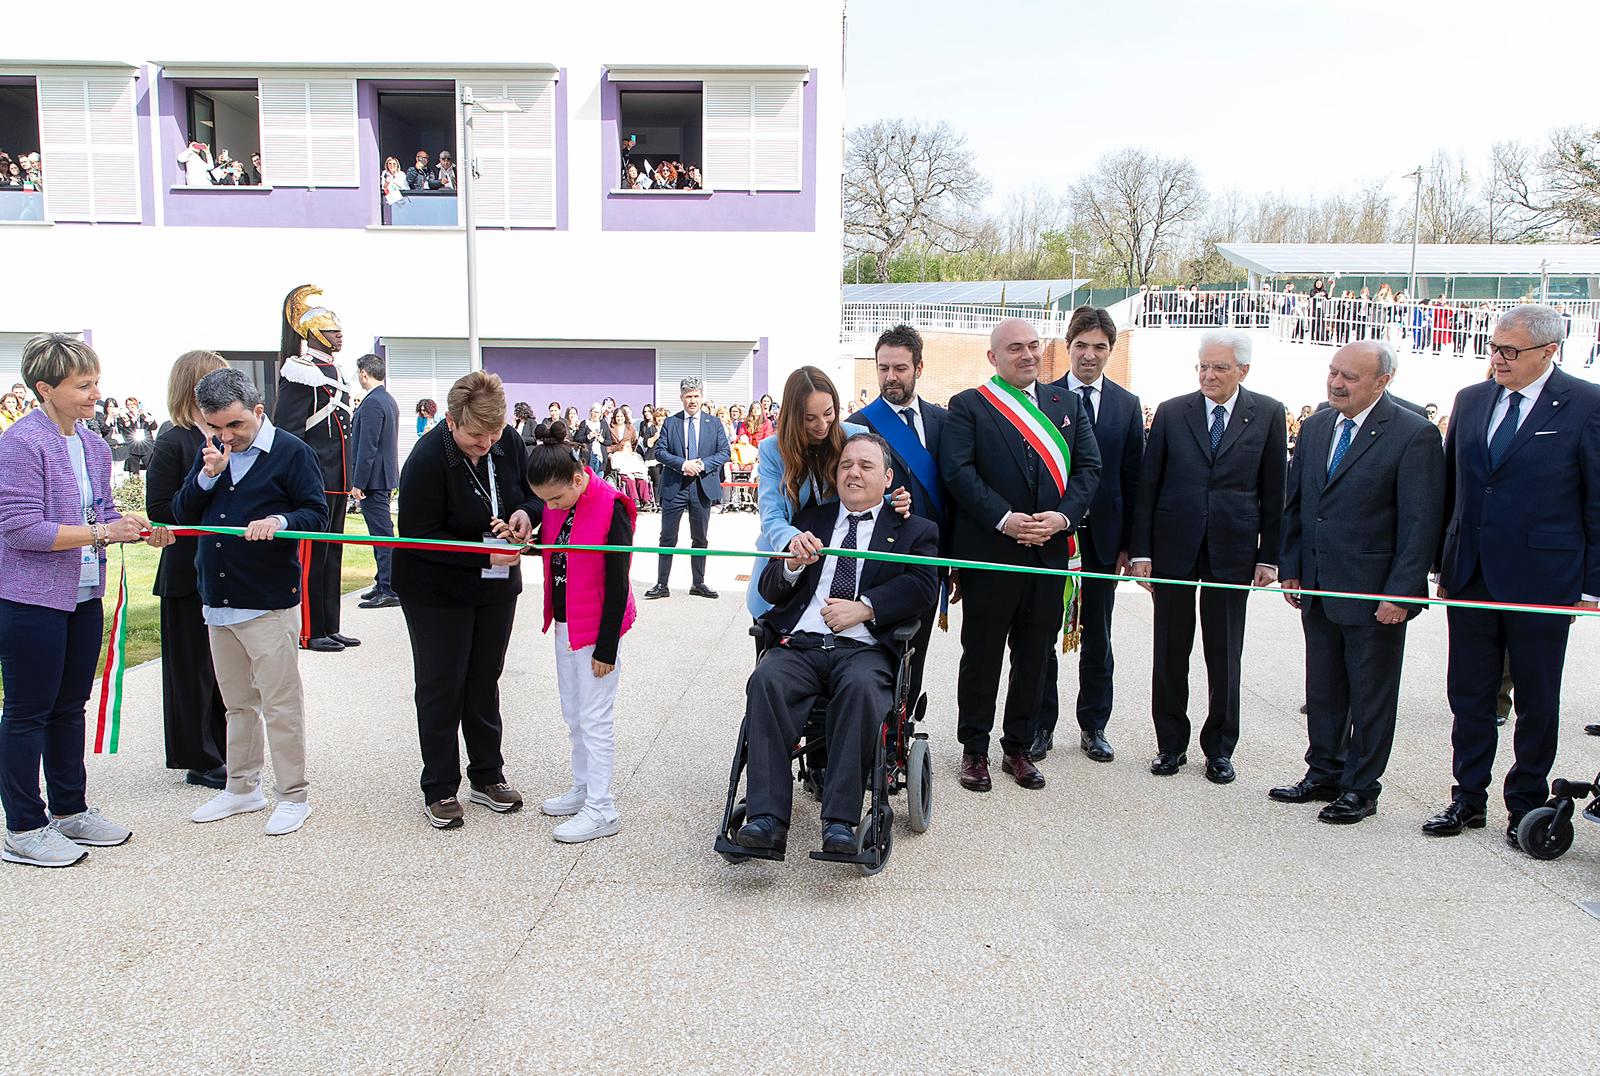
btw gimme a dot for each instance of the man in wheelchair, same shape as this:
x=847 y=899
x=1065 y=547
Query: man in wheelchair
x=829 y=637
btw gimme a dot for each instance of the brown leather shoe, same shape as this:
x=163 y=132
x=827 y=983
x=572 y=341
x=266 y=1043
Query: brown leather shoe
x=975 y=772
x=1023 y=771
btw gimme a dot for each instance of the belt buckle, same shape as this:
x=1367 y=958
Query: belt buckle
x=828 y=641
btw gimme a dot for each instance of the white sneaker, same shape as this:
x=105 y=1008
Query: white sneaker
x=42 y=847
x=569 y=802
x=226 y=804
x=287 y=817
x=586 y=825
x=91 y=828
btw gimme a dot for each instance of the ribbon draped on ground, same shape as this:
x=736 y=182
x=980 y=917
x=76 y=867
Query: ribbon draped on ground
x=116 y=665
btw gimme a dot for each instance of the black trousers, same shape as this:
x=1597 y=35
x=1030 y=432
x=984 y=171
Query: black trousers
x=693 y=500
x=192 y=711
x=47 y=661
x=1352 y=698
x=1222 y=642
x=858 y=684
x=375 y=510
x=1095 y=662
x=1481 y=641
x=319 y=605
x=457 y=655
x=1004 y=609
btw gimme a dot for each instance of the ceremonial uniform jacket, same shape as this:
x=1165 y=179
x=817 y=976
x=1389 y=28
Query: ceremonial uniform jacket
x=314 y=405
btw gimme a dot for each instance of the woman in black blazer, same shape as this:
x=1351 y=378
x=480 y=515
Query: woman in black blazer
x=465 y=479
x=192 y=709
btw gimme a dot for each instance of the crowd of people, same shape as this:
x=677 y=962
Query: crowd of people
x=22 y=172
x=638 y=174
x=421 y=176
x=201 y=169
x=127 y=426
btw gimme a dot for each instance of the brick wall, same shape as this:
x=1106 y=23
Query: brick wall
x=956 y=361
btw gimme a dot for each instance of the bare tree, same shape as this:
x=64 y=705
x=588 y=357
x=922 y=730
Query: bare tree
x=1135 y=203
x=1451 y=209
x=909 y=181
x=1521 y=210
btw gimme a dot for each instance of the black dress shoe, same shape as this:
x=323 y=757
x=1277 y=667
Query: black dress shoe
x=1166 y=763
x=1454 y=818
x=217 y=778
x=343 y=640
x=1511 y=830
x=1500 y=720
x=700 y=590
x=1096 y=746
x=838 y=839
x=1304 y=791
x=1348 y=808
x=765 y=831
x=325 y=644
x=658 y=591
x=382 y=601
x=1219 y=771
x=1042 y=743
x=368 y=594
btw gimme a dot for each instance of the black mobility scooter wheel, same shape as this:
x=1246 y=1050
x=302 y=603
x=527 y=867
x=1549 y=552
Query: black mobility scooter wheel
x=1544 y=833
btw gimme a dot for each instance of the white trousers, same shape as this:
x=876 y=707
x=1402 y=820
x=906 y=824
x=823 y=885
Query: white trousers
x=586 y=704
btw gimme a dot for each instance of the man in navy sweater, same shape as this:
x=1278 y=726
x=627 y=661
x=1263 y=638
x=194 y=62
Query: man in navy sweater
x=252 y=475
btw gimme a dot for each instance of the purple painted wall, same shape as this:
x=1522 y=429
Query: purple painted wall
x=721 y=211
x=575 y=376
x=758 y=369
x=144 y=98
x=561 y=150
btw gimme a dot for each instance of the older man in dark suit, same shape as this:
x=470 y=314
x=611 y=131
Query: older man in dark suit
x=1210 y=507
x=1117 y=420
x=1366 y=504
x=1522 y=465
x=1017 y=502
x=375 y=469
x=691 y=450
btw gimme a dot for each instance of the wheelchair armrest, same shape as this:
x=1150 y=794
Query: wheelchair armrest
x=755 y=631
x=904 y=633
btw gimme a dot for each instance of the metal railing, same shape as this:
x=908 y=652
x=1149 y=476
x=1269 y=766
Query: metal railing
x=869 y=319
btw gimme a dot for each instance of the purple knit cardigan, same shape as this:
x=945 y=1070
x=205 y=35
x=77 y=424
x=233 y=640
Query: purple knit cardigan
x=38 y=495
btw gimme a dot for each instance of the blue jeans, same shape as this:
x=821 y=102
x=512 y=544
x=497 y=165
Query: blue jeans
x=375 y=510
x=48 y=659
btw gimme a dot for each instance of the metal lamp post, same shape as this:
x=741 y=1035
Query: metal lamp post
x=468 y=179
x=1416 y=223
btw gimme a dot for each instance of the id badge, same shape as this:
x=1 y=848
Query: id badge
x=89 y=567
x=496 y=571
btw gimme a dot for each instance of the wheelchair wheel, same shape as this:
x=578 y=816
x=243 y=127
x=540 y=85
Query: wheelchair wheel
x=883 y=823
x=734 y=822
x=919 y=786
x=1542 y=835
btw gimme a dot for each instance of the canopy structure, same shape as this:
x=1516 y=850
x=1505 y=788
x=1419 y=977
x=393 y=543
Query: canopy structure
x=1433 y=259
x=966 y=292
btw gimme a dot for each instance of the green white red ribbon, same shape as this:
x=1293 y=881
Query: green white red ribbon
x=107 y=735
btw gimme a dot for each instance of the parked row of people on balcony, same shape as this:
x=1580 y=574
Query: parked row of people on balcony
x=421 y=176
x=201 y=169
x=22 y=172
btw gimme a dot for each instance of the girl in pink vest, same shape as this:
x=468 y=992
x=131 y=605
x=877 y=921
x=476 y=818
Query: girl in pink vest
x=587 y=597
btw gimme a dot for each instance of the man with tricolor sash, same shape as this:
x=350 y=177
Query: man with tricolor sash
x=1017 y=501
x=913 y=428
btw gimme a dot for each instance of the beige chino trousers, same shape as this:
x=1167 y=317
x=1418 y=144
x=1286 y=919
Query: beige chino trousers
x=258 y=673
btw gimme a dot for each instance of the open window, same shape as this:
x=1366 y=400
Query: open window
x=417 y=147
x=20 y=195
x=222 y=146
x=662 y=134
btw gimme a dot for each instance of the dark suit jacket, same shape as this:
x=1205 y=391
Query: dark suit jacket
x=374 y=442
x=899 y=593
x=1233 y=504
x=1407 y=404
x=1532 y=525
x=672 y=449
x=934 y=418
x=1373 y=525
x=176 y=450
x=988 y=484
x=1119 y=432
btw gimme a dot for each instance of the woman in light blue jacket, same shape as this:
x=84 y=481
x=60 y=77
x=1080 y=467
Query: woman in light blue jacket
x=797 y=465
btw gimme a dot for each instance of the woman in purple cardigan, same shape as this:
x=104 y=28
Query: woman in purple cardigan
x=56 y=519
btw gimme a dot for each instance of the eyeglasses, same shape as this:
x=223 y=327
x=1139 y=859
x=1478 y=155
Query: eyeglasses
x=1511 y=354
x=1213 y=367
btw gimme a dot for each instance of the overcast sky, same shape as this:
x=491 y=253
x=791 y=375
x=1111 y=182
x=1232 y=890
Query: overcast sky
x=1263 y=96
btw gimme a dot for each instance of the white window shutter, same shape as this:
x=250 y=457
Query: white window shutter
x=778 y=134
x=516 y=151
x=726 y=131
x=724 y=368
x=89 y=141
x=308 y=132
x=420 y=370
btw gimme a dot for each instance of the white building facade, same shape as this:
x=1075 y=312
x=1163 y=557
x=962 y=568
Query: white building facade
x=586 y=289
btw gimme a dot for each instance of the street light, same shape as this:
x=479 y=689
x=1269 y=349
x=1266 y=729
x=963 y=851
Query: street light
x=1416 y=221
x=468 y=179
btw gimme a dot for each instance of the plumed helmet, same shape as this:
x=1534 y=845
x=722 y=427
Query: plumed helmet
x=304 y=321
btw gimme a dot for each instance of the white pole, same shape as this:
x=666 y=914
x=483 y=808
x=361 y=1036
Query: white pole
x=1416 y=223
x=469 y=186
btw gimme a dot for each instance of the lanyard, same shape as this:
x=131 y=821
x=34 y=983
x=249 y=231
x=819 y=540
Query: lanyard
x=492 y=494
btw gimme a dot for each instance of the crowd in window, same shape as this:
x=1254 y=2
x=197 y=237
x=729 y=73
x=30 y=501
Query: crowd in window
x=638 y=174
x=421 y=176
x=22 y=172
x=201 y=169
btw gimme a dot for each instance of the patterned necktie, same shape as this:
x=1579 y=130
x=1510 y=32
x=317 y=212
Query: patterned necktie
x=1503 y=433
x=1088 y=403
x=692 y=439
x=844 y=572
x=1346 y=428
x=1219 y=422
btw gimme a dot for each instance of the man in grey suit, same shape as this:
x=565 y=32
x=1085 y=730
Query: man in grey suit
x=375 y=468
x=1365 y=508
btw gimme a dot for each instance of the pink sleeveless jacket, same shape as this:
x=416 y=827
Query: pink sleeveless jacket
x=585 y=571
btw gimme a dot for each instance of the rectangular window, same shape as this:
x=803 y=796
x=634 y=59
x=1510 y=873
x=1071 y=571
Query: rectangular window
x=661 y=139
x=89 y=148
x=724 y=368
x=417 y=149
x=516 y=156
x=21 y=196
x=753 y=134
x=226 y=122
x=421 y=370
x=309 y=132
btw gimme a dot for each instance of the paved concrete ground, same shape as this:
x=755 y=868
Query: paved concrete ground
x=1112 y=922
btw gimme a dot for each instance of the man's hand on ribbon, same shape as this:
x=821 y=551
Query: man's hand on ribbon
x=1266 y=575
x=212 y=460
x=261 y=530
x=1140 y=569
x=1288 y=585
x=803 y=550
x=1389 y=613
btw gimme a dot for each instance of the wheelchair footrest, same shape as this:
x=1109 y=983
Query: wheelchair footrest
x=734 y=848
x=866 y=856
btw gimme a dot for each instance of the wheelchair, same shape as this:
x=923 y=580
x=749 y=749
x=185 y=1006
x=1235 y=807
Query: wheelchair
x=900 y=762
x=1546 y=832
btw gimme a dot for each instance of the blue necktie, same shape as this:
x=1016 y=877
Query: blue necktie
x=1503 y=433
x=1219 y=422
x=844 y=572
x=911 y=418
x=692 y=437
x=1347 y=427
